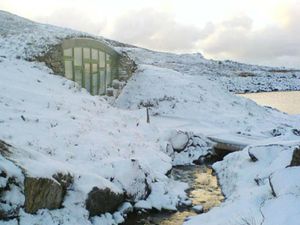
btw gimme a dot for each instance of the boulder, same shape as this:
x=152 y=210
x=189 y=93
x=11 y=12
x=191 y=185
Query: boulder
x=179 y=141
x=65 y=180
x=110 y=92
x=198 y=209
x=100 y=201
x=42 y=193
x=116 y=84
x=296 y=158
x=132 y=179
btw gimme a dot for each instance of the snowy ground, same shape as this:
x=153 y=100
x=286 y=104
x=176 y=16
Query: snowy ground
x=56 y=127
x=246 y=185
x=235 y=77
x=201 y=105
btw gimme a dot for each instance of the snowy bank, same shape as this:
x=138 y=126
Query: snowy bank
x=262 y=192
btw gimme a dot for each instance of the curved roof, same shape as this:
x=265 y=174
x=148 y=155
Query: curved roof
x=89 y=43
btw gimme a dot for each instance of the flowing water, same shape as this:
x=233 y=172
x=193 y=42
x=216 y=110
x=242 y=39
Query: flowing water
x=285 y=101
x=204 y=190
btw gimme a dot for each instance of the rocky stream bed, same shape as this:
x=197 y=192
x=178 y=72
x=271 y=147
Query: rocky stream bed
x=204 y=193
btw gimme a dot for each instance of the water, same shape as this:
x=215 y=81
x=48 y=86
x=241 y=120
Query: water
x=285 y=101
x=204 y=190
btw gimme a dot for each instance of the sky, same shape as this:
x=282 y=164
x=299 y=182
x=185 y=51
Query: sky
x=265 y=32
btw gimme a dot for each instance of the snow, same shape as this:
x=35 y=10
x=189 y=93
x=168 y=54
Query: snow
x=55 y=127
x=248 y=191
x=228 y=73
x=97 y=144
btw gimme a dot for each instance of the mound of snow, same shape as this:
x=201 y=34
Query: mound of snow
x=248 y=185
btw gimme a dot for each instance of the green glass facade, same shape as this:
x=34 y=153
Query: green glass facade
x=91 y=64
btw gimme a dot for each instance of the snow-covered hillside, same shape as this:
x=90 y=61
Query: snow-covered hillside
x=54 y=127
x=235 y=77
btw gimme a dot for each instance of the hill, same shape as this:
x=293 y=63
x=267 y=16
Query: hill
x=54 y=134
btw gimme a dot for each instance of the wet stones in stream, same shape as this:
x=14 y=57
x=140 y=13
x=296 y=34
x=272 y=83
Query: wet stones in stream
x=204 y=191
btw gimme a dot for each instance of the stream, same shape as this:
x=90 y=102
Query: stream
x=204 y=190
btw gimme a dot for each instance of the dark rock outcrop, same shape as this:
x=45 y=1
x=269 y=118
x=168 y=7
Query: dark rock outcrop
x=65 y=180
x=296 y=158
x=42 y=193
x=103 y=200
x=127 y=66
x=53 y=59
x=7 y=210
x=253 y=158
x=4 y=148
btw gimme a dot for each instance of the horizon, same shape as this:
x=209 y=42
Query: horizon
x=251 y=32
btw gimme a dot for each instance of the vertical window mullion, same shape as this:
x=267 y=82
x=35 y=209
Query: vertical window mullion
x=105 y=83
x=73 y=66
x=98 y=72
x=83 y=70
x=91 y=72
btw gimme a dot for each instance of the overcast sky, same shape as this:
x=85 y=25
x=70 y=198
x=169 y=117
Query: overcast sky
x=251 y=31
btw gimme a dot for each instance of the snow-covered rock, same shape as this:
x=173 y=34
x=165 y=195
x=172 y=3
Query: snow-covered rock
x=100 y=201
x=42 y=193
x=179 y=141
x=198 y=209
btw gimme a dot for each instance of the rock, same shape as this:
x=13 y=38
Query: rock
x=142 y=204
x=8 y=215
x=4 y=148
x=42 y=193
x=110 y=92
x=132 y=179
x=198 y=209
x=118 y=218
x=100 y=201
x=11 y=185
x=169 y=150
x=125 y=208
x=296 y=132
x=186 y=202
x=296 y=158
x=127 y=66
x=252 y=156
x=53 y=59
x=277 y=132
x=116 y=84
x=65 y=180
x=179 y=141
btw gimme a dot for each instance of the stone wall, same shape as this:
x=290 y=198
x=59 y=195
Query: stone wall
x=53 y=59
x=127 y=67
